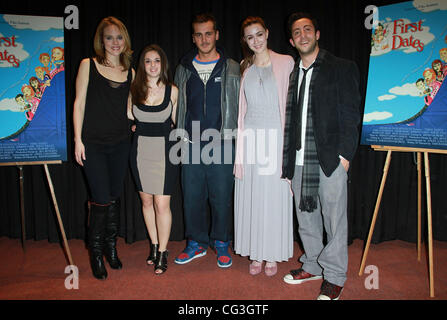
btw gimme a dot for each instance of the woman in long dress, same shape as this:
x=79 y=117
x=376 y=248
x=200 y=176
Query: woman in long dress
x=263 y=201
x=154 y=101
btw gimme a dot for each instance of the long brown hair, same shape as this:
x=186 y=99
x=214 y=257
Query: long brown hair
x=246 y=51
x=139 y=86
x=98 y=45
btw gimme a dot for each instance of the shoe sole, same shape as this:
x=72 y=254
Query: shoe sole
x=189 y=260
x=224 y=266
x=293 y=281
x=326 y=298
x=320 y=297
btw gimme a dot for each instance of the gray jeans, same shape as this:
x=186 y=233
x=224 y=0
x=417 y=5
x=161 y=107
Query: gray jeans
x=330 y=260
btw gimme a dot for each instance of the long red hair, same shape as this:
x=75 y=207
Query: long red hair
x=246 y=51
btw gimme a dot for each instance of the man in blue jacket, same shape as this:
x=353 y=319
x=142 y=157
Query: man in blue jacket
x=207 y=107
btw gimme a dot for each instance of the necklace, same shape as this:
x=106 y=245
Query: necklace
x=260 y=66
x=262 y=63
x=260 y=71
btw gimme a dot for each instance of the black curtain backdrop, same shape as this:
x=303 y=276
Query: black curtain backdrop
x=167 y=23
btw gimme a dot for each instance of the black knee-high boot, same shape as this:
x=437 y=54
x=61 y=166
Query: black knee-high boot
x=111 y=233
x=96 y=239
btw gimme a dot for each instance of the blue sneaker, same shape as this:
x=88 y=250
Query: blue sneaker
x=223 y=256
x=192 y=251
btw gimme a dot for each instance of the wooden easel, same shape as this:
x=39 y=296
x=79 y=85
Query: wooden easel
x=389 y=150
x=53 y=196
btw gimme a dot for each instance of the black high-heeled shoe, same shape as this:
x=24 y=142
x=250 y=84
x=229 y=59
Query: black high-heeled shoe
x=153 y=255
x=161 y=263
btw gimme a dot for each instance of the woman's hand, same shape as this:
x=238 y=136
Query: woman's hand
x=79 y=152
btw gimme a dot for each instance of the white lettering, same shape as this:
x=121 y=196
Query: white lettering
x=72 y=21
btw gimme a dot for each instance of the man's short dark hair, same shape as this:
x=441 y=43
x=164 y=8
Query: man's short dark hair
x=300 y=15
x=202 y=18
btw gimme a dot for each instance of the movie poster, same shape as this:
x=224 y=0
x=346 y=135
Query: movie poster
x=406 y=99
x=32 y=89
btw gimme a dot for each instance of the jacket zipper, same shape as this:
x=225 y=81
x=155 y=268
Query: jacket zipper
x=204 y=98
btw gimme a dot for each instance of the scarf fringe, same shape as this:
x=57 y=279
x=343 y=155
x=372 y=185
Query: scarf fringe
x=308 y=203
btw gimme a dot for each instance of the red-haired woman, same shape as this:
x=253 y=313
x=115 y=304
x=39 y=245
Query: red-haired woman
x=263 y=201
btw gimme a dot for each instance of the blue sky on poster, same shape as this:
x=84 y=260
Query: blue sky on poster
x=32 y=36
x=399 y=60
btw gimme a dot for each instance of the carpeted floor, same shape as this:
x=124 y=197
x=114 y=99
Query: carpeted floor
x=38 y=274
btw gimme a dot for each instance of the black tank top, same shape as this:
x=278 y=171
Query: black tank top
x=105 y=116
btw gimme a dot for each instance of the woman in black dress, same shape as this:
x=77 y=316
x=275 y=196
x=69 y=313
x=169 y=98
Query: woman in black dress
x=154 y=101
x=102 y=136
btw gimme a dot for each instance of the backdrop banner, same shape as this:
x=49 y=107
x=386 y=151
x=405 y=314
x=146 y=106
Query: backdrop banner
x=406 y=100
x=32 y=89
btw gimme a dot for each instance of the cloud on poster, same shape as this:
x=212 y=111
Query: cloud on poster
x=408 y=89
x=430 y=5
x=376 y=116
x=386 y=97
x=8 y=104
x=33 y=22
x=57 y=39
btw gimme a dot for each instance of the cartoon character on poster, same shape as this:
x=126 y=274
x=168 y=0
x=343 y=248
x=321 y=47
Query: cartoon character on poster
x=380 y=38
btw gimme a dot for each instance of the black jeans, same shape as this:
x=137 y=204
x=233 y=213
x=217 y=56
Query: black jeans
x=105 y=168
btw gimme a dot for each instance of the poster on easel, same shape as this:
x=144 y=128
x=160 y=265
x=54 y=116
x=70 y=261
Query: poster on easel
x=32 y=89
x=406 y=99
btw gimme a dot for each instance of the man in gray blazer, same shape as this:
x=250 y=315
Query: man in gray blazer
x=320 y=140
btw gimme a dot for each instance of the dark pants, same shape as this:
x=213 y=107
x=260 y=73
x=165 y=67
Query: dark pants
x=208 y=183
x=105 y=168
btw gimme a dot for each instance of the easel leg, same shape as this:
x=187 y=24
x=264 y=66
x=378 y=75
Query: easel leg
x=376 y=211
x=419 y=166
x=61 y=226
x=22 y=206
x=430 y=235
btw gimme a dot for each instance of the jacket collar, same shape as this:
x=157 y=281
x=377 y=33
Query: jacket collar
x=322 y=54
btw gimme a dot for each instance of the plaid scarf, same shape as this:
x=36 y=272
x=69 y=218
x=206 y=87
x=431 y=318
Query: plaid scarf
x=311 y=169
x=292 y=138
